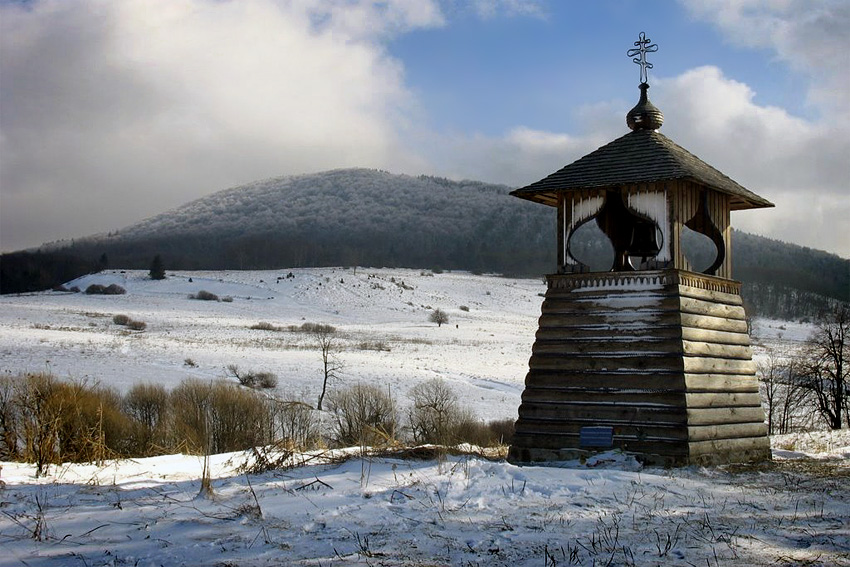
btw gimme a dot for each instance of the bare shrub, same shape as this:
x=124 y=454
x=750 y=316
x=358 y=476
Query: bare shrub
x=189 y=403
x=297 y=425
x=114 y=289
x=204 y=296
x=111 y=289
x=379 y=346
x=485 y=434
x=363 y=415
x=264 y=326
x=253 y=379
x=92 y=426
x=217 y=417
x=439 y=317
x=464 y=308
x=137 y=325
x=38 y=420
x=120 y=319
x=316 y=328
x=239 y=418
x=67 y=421
x=227 y=299
x=147 y=407
x=9 y=418
x=266 y=380
x=436 y=415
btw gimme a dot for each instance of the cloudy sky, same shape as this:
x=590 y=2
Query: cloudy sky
x=113 y=111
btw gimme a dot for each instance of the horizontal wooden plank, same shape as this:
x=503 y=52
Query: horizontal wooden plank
x=698 y=348
x=706 y=308
x=710 y=365
x=709 y=451
x=627 y=320
x=722 y=399
x=726 y=431
x=601 y=348
x=568 y=432
x=721 y=383
x=708 y=295
x=672 y=398
x=626 y=363
x=717 y=416
x=719 y=337
x=606 y=332
x=713 y=323
x=626 y=380
x=616 y=303
x=602 y=414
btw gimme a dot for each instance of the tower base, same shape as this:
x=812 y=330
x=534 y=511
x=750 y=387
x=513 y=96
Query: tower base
x=654 y=363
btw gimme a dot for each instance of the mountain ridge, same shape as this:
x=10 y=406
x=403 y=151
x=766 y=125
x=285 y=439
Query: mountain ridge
x=367 y=217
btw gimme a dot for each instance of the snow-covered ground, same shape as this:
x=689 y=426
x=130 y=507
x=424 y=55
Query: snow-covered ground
x=459 y=510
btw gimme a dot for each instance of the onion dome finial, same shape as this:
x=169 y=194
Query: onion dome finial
x=644 y=116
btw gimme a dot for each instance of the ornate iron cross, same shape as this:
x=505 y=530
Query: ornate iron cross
x=643 y=47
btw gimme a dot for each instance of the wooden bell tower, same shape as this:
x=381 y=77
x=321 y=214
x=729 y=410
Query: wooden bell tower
x=649 y=357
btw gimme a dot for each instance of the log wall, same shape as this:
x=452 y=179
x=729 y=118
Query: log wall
x=661 y=357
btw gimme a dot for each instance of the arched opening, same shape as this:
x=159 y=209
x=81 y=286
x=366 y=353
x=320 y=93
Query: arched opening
x=589 y=246
x=703 y=228
x=699 y=249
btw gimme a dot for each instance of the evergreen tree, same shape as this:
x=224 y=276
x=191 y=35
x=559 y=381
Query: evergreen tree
x=157 y=268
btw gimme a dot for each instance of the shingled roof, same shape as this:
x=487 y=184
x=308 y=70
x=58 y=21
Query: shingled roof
x=641 y=156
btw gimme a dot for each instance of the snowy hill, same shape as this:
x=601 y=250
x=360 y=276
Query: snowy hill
x=343 y=217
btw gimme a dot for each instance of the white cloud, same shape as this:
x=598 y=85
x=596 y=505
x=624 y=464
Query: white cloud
x=117 y=110
x=811 y=36
x=491 y=8
x=520 y=156
x=799 y=165
x=802 y=166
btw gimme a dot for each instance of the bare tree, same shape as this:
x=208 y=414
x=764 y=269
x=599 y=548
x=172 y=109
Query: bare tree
x=325 y=338
x=439 y=317
x=826 y=371
x=782 y=392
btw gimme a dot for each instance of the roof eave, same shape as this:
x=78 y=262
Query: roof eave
x=550 y=196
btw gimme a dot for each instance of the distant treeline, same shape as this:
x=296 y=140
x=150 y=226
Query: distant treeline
x=22 y=272
x=376 y=219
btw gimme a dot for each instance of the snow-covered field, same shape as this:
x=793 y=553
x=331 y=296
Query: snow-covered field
x=482 y=352
x=346 y=508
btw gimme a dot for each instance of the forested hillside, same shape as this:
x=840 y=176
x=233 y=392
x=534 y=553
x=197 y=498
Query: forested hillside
x=374 y=218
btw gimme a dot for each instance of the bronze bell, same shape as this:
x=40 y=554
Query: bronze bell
x=644 y=241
